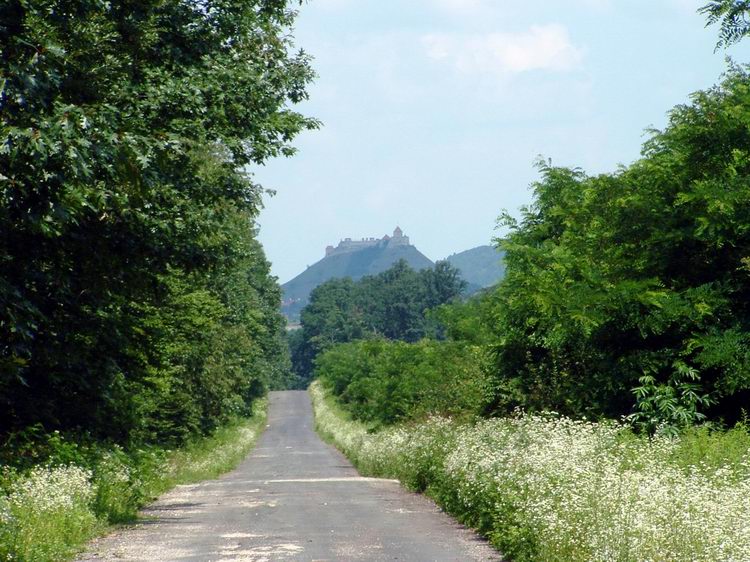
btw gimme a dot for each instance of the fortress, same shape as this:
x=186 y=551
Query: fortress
x=348 y=245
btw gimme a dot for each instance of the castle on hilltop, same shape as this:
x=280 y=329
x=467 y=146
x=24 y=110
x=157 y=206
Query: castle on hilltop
x=348 y=245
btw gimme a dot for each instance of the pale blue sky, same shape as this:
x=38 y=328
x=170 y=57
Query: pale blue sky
x=435 y=110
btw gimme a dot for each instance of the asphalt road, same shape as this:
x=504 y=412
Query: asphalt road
x=293 y=498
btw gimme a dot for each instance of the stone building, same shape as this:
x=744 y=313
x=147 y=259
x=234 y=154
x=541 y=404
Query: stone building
x=348 y=245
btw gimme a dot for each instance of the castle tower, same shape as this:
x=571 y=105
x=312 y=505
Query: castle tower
x=398 y=238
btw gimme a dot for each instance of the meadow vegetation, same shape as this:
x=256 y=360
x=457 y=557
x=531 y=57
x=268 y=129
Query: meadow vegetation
x=546 y=487
x=49 y=511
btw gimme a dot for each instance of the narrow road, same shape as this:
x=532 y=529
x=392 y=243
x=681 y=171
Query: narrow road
x=293 y=498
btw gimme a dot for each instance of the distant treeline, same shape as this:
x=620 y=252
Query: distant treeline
x=136 y=303
x=391 y=305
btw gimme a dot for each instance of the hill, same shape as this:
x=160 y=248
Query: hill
x=480 y=267
x=354 y=259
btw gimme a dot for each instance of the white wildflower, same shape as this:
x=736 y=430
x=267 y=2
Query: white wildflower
x=585 y=490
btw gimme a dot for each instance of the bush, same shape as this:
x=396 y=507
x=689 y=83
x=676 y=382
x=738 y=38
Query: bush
x=47 y=514
x=384 y=382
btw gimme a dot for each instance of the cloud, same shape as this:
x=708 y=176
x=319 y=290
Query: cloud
x=542 y=47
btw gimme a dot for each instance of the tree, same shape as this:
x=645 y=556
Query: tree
x=733 y=17
x=392 y=305
x=333 y=316
x=127 y=212
x=628 y=293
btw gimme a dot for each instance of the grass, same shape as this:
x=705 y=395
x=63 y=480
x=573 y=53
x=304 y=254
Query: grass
x=547 y=488
x=49 y=512
x=223 y=451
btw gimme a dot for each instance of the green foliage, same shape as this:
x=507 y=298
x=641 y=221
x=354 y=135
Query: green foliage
x=383 y=382
x=732 y=16
x=132 y=282
x=297 y=351
x=47 y=515
x=711 y=449
x=627 y=293
x=672 y=404
x=466 y=320
x=391 y=305
x=115 y=494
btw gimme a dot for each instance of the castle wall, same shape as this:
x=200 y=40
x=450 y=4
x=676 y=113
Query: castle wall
x=347 y=245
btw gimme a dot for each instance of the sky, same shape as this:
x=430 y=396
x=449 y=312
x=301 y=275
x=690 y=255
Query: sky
x=435 y=111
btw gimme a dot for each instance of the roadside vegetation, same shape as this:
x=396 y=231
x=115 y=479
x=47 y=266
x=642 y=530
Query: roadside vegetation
x=593 y=405
x=625 y=295
x=49 y=511
x=139 y=322
x=546 y=487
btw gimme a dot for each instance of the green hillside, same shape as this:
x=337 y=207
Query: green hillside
x=481 y=267
x=356 y=264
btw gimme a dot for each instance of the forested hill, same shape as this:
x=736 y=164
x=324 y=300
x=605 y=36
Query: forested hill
x=480 y=267
x=366 y=261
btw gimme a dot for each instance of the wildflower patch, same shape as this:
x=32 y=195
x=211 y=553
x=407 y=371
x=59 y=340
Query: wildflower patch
x=48 y=512
x=551 y=488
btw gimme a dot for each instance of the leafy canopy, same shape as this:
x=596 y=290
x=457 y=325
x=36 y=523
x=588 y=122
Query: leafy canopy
x=628 y=293
x=131 y=278
x=733 y=17
x=392 y=305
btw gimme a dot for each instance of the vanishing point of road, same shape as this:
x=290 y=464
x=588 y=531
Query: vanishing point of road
x=293 y=498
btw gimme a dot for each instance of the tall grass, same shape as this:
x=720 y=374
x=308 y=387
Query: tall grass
x=547 y=488
x=49 y=512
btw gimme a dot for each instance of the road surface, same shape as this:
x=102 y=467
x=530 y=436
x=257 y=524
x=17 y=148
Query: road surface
x=293 y=498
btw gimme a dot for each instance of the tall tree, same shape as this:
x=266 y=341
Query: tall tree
x=628 y=293
x=127 y=215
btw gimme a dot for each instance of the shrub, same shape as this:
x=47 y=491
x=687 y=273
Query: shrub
x=384 y=382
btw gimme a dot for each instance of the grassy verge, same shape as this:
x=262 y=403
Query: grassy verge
x=49 y=512
x=549 y=488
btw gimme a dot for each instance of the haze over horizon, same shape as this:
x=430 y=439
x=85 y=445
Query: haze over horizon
x=434 y=112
